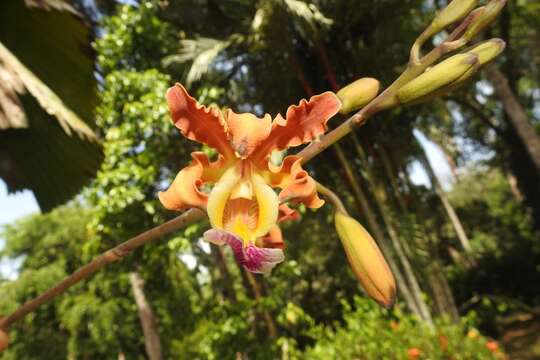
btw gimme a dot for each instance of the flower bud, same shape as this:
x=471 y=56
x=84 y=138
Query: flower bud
x=366 y=260
x=4 y=340
x=489 y=13
x=357 y=94
x=488 y=50
x=455 y=11
x=436 y=78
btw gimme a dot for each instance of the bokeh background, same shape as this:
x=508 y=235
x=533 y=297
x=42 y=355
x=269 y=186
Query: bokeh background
x=450 y=189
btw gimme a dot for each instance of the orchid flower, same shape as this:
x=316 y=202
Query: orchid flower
x=243 y=207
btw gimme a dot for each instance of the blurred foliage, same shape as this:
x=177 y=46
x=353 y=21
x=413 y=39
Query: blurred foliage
x=370 y=332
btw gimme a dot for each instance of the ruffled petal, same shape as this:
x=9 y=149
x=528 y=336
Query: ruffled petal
x=184 y=191
x=197 y=122
x=296 y=184
x=251 y=257
x=274 y=239
x=287 y=214
x=247 y=131
x=303 y=123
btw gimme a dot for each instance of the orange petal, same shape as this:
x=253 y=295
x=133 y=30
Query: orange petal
x=286 y=213
x=274 y=239
x=184 y=191
x=197 y=122
x=296 y=183
x=247 y=131
x=303 y=123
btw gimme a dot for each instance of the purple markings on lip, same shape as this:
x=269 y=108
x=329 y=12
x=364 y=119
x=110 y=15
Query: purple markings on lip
x=251 y=257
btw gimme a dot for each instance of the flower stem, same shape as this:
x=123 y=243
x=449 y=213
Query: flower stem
x=109 y=256
x=332 y=197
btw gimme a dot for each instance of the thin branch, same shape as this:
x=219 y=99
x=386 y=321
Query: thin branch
x=109 y=256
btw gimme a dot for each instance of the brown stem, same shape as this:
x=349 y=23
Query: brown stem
x=332 y=197
x=110 y=256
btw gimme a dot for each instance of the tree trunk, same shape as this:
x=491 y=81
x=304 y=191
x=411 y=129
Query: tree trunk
x=147 y=318
x=454 y=219
x=516 y=114
x=442 y=294
x=522 y=142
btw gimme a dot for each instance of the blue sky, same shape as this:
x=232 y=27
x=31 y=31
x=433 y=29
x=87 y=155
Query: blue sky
x=13 y=207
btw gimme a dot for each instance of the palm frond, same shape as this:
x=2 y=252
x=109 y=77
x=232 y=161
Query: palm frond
x=312 y=19
x=18 y=79
x=201 y=52
x=61 y=5
x=47 y=91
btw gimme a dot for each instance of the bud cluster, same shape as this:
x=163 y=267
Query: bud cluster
x=457 y=69
x=426 y=77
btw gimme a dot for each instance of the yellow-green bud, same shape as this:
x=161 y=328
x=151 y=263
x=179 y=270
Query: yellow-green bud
x=4 y=340
x=489 y=13
x=357 y=94
x=455 y=11
x=488 y=50
x=366 y=260
x=436 y=78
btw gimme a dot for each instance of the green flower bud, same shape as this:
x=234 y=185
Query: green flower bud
x=488 y=50
x=489 y=13
x=455 y=11
x=436 y=78
x=357 y=94
x=366 y=260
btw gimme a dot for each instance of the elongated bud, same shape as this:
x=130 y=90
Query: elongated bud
x=455 y=11
x=4 y=340
x=366 y=260
x=489 y=13
x=357 y=94
x=435 y=78
x=488 y=50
